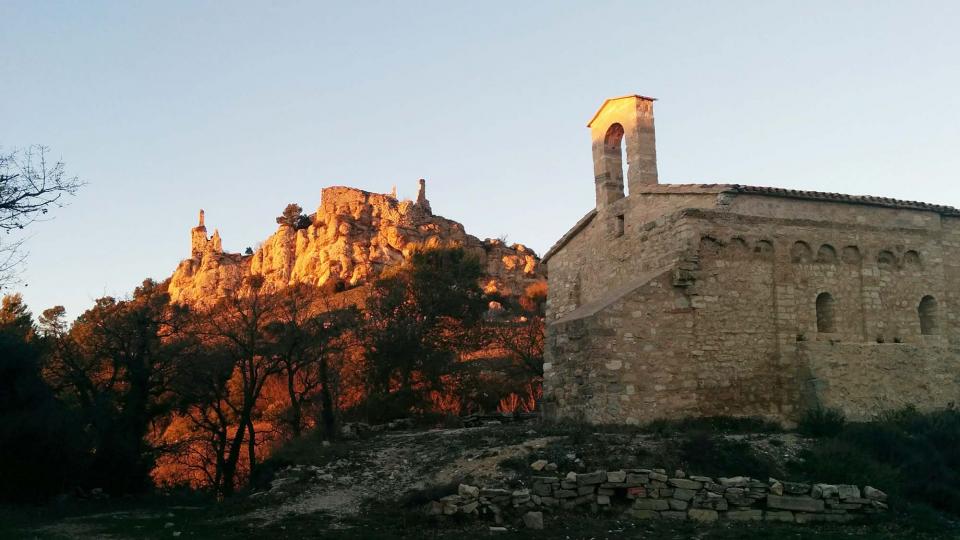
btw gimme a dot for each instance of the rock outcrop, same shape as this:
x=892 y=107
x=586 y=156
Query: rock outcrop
x=350 y=240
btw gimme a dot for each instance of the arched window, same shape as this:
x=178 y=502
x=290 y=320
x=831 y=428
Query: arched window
x=800 y=252
x=911 y=259
x=886 y=260
x=826 y=254
x=927 y=311
x=613 y=155
x=825 y=322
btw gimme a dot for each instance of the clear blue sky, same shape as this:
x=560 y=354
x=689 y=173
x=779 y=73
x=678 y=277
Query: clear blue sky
x=241 y=107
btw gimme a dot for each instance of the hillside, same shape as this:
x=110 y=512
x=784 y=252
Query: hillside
x=350 y=240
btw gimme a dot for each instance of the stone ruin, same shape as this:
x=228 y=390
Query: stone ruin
x=353 y=236
x=679 y=300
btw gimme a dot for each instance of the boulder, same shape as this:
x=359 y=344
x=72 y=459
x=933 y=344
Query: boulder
x=533 y=520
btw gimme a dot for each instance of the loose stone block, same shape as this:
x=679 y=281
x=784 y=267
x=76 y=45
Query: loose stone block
x=636 y=479
x=800 y=504
x=670 y=514
x=846 y=491
x=658 y=476
x=678 y=504
x=744 y=515
x=735 y=481
x=824 y=491
x=782 y=516
x=603 y=500
x=533 y=520
x=874 y=494
x=683 y=483
x=591 y=478
x=616 y=477
x=684 y=494
x=542 y=489
x=651 y=504
x=703 y=515
x=466 y=491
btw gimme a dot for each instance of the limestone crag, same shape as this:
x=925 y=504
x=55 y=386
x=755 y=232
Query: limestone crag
x=350 y=240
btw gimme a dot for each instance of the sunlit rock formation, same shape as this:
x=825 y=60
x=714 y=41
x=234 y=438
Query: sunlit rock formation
x=350 y=240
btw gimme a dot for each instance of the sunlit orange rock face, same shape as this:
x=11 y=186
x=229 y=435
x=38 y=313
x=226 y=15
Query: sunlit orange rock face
x=353 y=236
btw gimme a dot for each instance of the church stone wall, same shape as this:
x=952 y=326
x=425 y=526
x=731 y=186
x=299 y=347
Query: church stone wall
x=727 y=321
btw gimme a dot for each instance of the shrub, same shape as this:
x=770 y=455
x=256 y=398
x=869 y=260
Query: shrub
x=820 y=422
x=701 y=452
x=913 y=456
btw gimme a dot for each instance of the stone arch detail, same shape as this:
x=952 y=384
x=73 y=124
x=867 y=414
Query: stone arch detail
x=613 y=165
x=826 y=254
x=850 y=255
x=886 y=260
x=763 y=248
x=911 y=259
x=801 y=252
x=709 y=246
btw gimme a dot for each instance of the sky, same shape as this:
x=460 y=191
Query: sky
x=242 y=107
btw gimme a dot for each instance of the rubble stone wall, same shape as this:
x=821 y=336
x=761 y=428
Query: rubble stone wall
x=652 y=494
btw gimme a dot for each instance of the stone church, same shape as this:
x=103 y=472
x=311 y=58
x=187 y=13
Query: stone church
x=677 y=300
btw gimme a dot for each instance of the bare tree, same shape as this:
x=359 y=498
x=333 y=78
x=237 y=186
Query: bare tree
x=29 y=188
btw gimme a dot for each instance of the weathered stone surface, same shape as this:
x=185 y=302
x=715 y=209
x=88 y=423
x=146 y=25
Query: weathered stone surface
x=539 y=464
x=591 y=478
x=616 y=477
x=874 y=494
x=651 y=504
x=683 y=483
x=736 y=481
x=845 y=491
x=784 y=516
x=467 y=491
x=676 y=504
x=744 y=515
x=799 y=504
x=636 y=479
x=824 y=491
x=533 y=520
x=703 y=515
x=658 y=476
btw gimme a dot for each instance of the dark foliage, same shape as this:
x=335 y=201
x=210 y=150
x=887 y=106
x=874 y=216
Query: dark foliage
x=43 y=449
x=915 y=457
x=820 y=422
x=293 y=216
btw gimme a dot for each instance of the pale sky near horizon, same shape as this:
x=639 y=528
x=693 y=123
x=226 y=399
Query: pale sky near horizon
x=241 y=107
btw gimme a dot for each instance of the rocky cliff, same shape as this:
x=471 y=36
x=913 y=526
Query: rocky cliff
x=350 y=240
